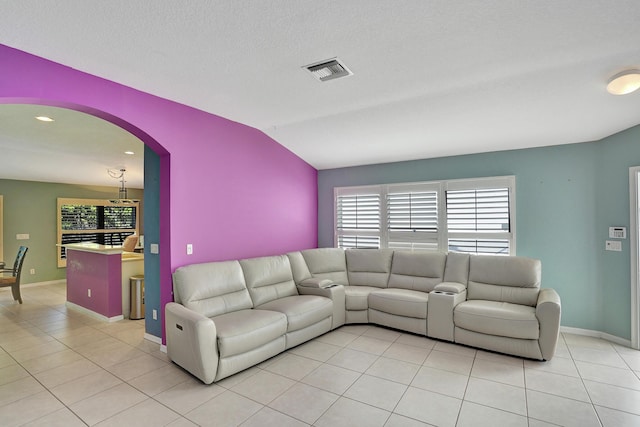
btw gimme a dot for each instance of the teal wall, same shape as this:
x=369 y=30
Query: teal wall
x=566 y=198
x=152 y=235
x=30 y=208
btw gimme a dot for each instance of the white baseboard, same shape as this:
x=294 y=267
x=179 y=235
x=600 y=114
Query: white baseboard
x=93 y=313
x=596 y=334
x=163 y=348
x=152 y=338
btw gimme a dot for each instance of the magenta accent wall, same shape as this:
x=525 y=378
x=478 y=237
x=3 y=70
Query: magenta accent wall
x=100 y=273
x=226 y=188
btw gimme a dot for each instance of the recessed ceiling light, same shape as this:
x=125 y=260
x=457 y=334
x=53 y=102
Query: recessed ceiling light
x=131 y=153
x=328 y=70
x=624 y=83
x=44 y=119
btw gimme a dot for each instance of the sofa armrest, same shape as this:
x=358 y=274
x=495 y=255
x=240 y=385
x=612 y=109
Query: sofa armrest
x=548 y=312
x=453 y=287
x=315 y=282
x=336 y=294
x=191 y=341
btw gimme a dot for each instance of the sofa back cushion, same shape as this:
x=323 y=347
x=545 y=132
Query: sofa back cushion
x=419 y=271
x=457 y=268
x=327 y=263
x=369 y=267
x=298 y=267
x=504 y=278
x=268 y=278
x=211 y=288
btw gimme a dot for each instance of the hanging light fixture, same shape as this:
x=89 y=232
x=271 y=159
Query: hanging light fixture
x=122 y=191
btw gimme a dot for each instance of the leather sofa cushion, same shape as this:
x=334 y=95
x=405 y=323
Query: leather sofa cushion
x=509 y=279
x=367 y=267
x=212 y=288
x=268 y=278
x=497 y=318
x=244 y=330
x=401 y=302
x=327 y=263
x=301 y=310
x=357 y=297
x=420 y=271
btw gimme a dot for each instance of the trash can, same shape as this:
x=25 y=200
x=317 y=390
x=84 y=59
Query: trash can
x=137 y=297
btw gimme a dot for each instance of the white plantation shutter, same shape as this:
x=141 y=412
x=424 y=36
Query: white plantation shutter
x=479 y=217
x=358 y=218
x=412 y=219
x=467 y=215
x=478 y=210
x=359 y=212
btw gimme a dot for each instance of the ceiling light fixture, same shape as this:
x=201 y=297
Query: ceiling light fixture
x=624 y=83
x=328 y=70
x=130 y=153
x=44 y=119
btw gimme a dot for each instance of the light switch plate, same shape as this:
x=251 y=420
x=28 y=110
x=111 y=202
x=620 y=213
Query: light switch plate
x=22 y=237
x=154 y=248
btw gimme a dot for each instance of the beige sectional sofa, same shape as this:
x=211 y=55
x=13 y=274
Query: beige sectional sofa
x=228 y=316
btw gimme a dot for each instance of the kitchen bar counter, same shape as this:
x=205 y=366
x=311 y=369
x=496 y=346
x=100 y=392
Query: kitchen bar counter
x=98 y=278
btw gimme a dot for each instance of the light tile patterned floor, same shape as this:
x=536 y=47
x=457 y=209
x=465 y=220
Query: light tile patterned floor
x=61 y=367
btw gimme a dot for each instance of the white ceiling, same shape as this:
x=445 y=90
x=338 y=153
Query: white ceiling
x=431 y=78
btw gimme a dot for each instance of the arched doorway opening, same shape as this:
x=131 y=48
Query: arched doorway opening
x=155 y=215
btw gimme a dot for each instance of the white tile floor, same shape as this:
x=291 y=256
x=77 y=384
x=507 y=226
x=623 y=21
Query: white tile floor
x=62 y=368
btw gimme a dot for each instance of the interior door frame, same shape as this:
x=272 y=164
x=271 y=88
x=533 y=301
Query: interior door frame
x=634 y=187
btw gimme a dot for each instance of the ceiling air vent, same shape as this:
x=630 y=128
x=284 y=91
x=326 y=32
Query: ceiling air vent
x=328 y=70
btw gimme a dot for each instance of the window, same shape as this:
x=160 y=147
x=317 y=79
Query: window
x=470 y=215
x=358 y=218
x=412 y=216
x=99 y=221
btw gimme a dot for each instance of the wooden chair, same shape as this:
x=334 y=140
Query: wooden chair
x=130 y=243
x=16 y=271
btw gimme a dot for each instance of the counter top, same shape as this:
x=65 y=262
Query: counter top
x=94 y=247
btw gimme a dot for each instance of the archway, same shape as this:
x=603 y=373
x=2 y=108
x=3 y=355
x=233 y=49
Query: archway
x=152 y=215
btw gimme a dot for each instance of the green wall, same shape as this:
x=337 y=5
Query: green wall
x=30 y=208
x=566 y=198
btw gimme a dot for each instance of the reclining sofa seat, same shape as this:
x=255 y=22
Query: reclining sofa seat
x=403 y=304
x=506 y=310
x=212 y=329
x=367 y=271
x=271 y=287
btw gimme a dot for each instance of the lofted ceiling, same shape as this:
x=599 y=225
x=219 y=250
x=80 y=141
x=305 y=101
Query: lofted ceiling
x=431 y=78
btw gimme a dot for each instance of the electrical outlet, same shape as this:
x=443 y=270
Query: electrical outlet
x=89 y=293
x=155 y=314
x=22 y=237
x=189 y=249
x=32 y=271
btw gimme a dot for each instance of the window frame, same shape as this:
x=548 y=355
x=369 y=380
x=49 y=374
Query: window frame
x=62 y=201
x=416 y=240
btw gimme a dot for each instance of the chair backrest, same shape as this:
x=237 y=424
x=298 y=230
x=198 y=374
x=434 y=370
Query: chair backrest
x=17 y=265
x=130 y=243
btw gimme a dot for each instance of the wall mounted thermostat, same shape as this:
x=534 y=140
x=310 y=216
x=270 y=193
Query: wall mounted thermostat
x=617 y=232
